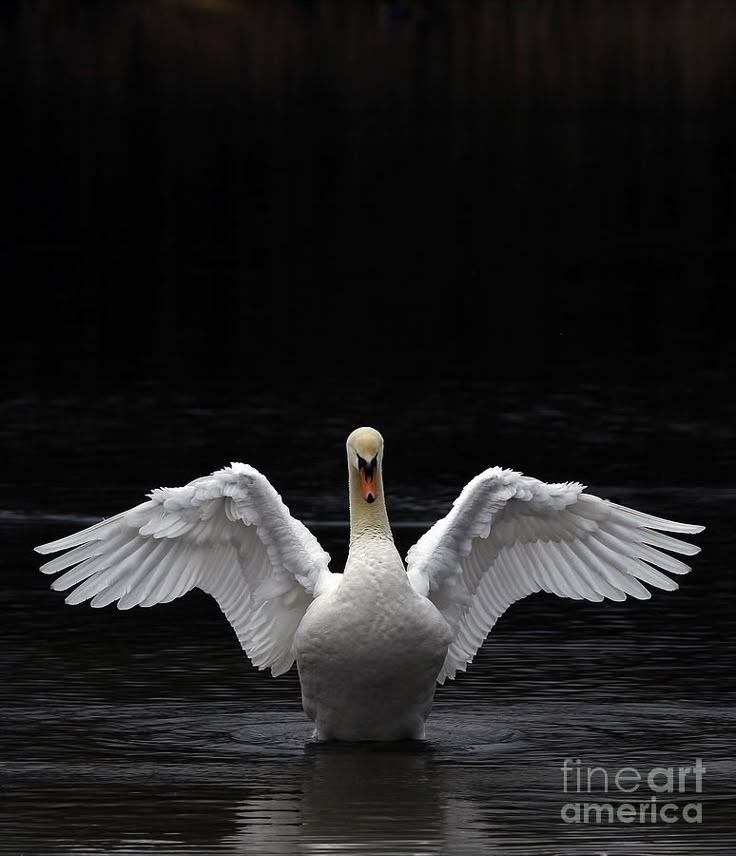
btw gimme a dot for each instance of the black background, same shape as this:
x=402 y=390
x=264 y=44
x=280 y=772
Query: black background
x=219 y=197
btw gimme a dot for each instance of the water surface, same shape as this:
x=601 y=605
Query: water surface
x=149 y=731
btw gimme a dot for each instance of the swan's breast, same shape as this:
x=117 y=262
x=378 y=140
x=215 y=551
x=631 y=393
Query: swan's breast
x=371 y=624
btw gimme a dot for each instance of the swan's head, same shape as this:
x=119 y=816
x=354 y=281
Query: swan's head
x=365 y=450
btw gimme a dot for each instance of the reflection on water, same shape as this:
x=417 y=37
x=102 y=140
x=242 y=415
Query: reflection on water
x=367 y=801
x=489 y=777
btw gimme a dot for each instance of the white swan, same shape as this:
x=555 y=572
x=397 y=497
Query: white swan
x=371 y=643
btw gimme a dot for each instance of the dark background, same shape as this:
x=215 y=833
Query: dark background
x=219 y=197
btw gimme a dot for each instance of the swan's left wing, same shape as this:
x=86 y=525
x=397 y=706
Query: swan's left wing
x=508 y=536
x=228 y=534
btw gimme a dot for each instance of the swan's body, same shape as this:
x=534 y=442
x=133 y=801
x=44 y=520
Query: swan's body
x=371 y=643
x=369 y=652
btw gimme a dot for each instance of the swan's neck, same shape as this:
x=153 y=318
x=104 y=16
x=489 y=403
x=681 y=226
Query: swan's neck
x=367 y=519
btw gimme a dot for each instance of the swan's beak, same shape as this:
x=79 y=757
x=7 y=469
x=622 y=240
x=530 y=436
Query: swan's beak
x=368 y=480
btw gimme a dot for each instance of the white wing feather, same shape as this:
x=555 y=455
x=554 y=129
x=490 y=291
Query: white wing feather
x=508 y=536
x=228 y=534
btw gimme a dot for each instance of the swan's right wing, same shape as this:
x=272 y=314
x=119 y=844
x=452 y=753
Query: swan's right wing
x=508 y=536
x=228 y=534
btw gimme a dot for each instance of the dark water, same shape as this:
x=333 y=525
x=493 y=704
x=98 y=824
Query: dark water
x=149 y=731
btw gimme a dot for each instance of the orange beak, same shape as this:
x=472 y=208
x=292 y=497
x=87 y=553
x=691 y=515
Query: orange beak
x=368 y=485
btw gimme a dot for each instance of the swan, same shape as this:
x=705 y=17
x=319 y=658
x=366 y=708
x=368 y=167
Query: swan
x=372 y=643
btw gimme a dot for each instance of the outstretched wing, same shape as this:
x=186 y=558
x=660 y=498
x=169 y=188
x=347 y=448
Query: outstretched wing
x=509 y=535
x=228 y=534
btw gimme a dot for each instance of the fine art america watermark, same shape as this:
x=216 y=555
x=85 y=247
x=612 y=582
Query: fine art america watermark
x=631 y=795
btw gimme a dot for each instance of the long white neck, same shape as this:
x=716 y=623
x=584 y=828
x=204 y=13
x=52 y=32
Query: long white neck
x=365 y=518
